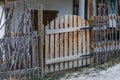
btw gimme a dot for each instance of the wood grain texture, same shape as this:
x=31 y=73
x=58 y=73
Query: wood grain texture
x=61 y=42
x=66 y=42
x=75 y=39
x=70 y=40
x=47 y=49
x=57 y=44
x=88 y=42
x=79 y=41
x=84 y=41
x=52 y=46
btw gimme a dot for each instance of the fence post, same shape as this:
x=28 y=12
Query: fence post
x=91 y=21
x=41 y=38
x=90 y=4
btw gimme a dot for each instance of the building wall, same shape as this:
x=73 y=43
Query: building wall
x=63 y=6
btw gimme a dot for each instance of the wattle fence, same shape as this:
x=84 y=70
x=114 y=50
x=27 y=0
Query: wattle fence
x=19 y=58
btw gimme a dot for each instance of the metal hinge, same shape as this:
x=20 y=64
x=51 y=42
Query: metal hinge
x=87 y=55
x=87 y=28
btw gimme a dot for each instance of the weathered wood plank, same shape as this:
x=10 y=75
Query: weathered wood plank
x=47 y=48
x=88 y=42
x=57 y=44
x=70 y=41
x=63 y=30
x=66 y=42
x=75 y=39
x=79 y=42
x=91 y=8
x=61 y=42
x=41 y=34
x=52 y=46
x=84 y=41
x=67 y=58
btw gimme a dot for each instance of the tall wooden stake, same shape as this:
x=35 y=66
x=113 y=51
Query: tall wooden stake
x=90 y=3
x=91 y=18
x=41 y=38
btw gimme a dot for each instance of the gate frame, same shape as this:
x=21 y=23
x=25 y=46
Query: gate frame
x=85 y=28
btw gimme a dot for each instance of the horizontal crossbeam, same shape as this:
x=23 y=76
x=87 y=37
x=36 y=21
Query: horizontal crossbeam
x=68 y=58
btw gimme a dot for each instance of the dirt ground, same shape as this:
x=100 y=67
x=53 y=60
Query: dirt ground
x=111 y=73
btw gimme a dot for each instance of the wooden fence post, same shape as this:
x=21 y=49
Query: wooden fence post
x=41 y=38
x=90 y=4
x=91 y=22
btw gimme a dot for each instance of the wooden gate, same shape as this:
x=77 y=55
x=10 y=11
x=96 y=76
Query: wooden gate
x=67 y=43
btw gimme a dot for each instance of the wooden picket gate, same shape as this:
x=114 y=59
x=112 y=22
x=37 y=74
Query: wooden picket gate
x=67 y=44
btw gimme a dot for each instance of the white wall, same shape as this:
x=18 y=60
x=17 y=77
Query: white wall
x=63 y=6
x=3 y=20
x=82 y=8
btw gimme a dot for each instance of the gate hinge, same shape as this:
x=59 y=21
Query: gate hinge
x=87 y=28
x=87 y=55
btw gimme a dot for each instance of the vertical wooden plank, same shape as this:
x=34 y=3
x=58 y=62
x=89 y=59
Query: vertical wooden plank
x=70 y=41
x=91 y=8
x=75 y=39
x=79 y=41
x=88 y=42
x=84 y=41
x=92 y=39
x=61 y=42
x=47 y=48
x=52 y=46
x=41 y=34
x=57 y=44
x=66 y=41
